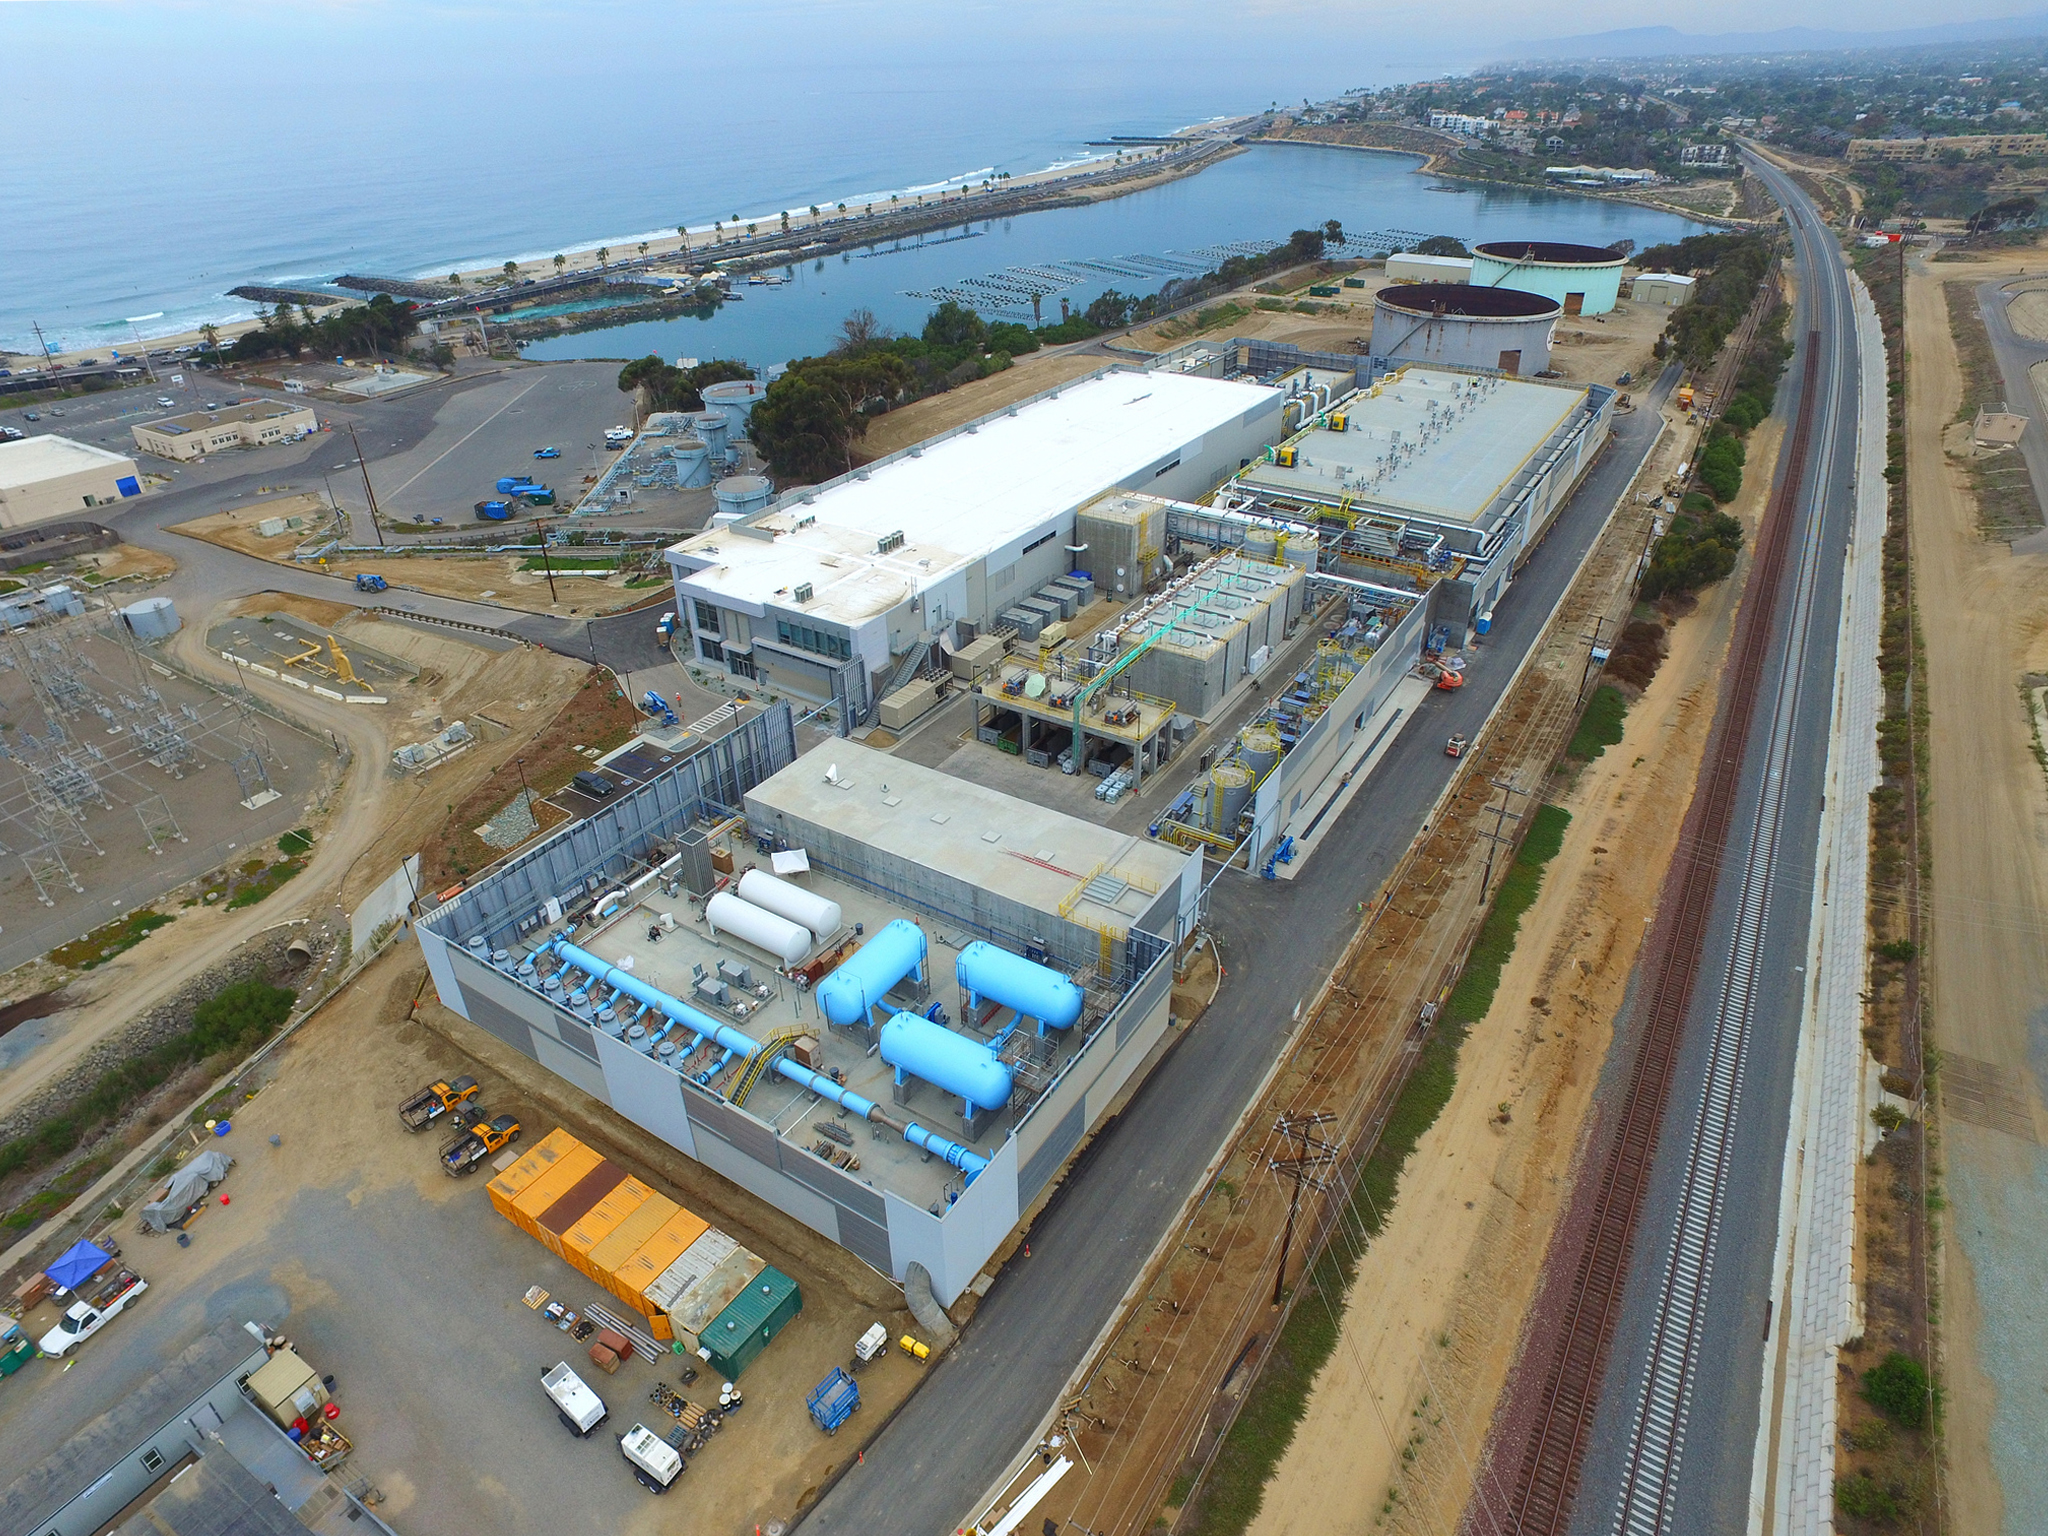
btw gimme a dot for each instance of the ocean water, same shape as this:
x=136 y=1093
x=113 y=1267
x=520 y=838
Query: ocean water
x=1261 y=194
x=219 y=142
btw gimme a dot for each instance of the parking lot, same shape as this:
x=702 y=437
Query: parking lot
x=406 y=1286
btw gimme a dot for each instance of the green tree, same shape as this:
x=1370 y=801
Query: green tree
x=1111 y=309
x=810 y=418
x=1441 y=245
x=604 y=255
x=668 y=388
x=1333 y=231
x=643 y=247
x=955 y=326
x=1897 y=1388
x=511 y=269
x=455 y=279
x=561 y=261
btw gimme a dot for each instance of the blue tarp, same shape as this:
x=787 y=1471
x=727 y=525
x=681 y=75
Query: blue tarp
x=80 y=1263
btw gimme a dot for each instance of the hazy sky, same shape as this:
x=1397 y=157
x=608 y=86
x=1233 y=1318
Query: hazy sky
x=344 y=50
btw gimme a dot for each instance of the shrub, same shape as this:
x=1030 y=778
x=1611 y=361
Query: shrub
x=1862 y=1497
x=1897 y=1388
x=1720 y=468
x=239 y=1017
x=1900 y=950
x=1695 y=552
x=1601 y=725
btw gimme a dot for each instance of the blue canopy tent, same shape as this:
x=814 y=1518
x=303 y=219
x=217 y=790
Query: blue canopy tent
x=79 y=1263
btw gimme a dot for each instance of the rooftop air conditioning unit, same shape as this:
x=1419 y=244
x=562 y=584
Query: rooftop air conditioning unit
x=803 y=593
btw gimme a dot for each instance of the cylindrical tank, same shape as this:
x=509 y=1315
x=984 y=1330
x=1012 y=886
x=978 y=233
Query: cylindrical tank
x=1035 y=991
x=1464 y=325
x=713 y=429
x=792 y=901
x=744 y=494
x=1258 y=748
x=152 y=618
x=726 y=913
x=946 y=1060
x=1583 y=279
x=861 y=983
x=1230 y=788
x=693 y=463
x=735 y=400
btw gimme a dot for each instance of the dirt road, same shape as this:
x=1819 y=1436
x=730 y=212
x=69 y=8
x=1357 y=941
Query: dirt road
x=1432 y=1325
x=1984 y=612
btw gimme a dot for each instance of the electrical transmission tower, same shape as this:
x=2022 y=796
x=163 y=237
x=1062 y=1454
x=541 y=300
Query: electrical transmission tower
x=251 y=773
x=159 y=825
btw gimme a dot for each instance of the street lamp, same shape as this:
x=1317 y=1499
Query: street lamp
x=133 y=322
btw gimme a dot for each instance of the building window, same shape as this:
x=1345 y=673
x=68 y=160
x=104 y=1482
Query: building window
x=707 y=615
x=152 y=1460
x=1049 y=537
x=709 y=649
x=821 y=642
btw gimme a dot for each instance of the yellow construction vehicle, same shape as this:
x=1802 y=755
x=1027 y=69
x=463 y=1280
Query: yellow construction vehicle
x=483 y=1137
x=434 y=1101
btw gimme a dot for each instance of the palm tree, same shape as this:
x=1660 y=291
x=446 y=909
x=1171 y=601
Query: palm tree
x=511 y=269
x=455 y=279
x=643 y=247
x=814 y=213
x=785 y=221
x=561 y=261
x=718 y=232
x=751 y=228
x=842 y=207
x=603 y=255
x=210 y=334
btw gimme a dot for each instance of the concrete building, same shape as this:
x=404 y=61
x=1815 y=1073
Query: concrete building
x=1673 y=288
x=836 y=593
x=1443 y=478
x=580 y=951
x=251 y=425
x=1584 y=279
x=46 y=477
x=1407 y=267
x=187 y=1453
x=1464 y=325
x=1971 y=146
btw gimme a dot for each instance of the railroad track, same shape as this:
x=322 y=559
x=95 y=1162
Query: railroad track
x=1541 y=1498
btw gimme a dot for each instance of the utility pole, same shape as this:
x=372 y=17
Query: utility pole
x=1594 y=651
x=1501 y=815
x=549 y=569
x=1311 y=1157
x=364 y=465
x=42 y=346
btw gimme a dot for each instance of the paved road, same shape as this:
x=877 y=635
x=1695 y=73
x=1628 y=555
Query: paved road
x=2017 y=355
x=1278 y=939
x=1719 y=1437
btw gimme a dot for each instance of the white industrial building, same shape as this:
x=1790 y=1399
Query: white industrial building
x=835 y=589
x=1673 y=288
x=46 y=477
x=1408 y=267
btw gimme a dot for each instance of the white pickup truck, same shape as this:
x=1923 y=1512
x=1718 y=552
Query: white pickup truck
x=580 y=1408
x=89 y=1314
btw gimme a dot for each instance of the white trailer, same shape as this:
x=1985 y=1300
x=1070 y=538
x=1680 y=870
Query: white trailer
x=579 y=1407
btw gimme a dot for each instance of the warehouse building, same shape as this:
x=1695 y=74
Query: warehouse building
x=252 y=424
x=754 y=953
x=1407 y=267
x=1440 y=478
x=47 y=477
x=1673 y=288
x=1583 y=279
x=1462 y=325
x=837 y=592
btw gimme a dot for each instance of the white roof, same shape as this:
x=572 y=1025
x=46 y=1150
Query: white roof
x=960 y=497
x=1665 y=277
x=1416 y=258
x=36 y=459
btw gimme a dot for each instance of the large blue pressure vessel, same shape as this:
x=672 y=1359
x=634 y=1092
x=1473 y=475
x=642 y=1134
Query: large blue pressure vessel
x=1035 y=991
x=945 y=1060
x=862 y=982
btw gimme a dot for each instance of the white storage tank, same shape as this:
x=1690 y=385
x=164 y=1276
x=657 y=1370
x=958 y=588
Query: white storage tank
x=735 y=399
x=788 y=942
x=1583 y=279
x=787 y=899
x=713 y=428
x=153 y=618
x=1464 y=325
x=743 y=495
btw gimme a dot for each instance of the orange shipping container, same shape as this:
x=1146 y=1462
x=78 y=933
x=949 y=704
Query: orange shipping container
x=602 y=1221
x=532 y=1201
x=574 y=1204
x=629 y=1236
x=507 y=1186
x=631 y=1279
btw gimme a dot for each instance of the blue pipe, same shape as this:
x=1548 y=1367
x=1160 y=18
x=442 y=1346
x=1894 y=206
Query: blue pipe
x=736 y=1043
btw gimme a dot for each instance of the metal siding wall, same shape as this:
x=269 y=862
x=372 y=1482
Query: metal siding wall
x=568 y=1065
x=446 y=987
x=769 y=1184
x=1053 y=1151
x=736 y=1127
x=488 y=1014
x=866 y=1240
x=832 y=1183
x=646 y=1093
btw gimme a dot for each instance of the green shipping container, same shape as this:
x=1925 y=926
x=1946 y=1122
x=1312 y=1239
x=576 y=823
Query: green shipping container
x=756 y=1315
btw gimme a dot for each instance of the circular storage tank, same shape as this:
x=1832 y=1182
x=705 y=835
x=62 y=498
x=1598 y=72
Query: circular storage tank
x=1230 y=791
x=1465 y=326
x=792 y=901
x=788 y=942
x=1583 y=279
x=153 y=618
x=693 y=463
x=735 y=400
x=713 y=428
x=1258 y=749
x=936 y=1055
x=743 y=495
